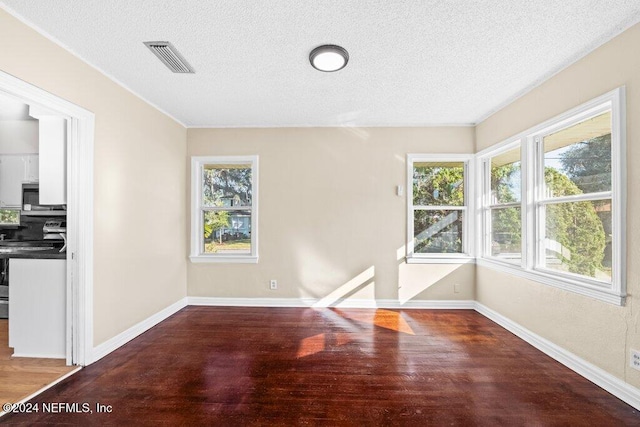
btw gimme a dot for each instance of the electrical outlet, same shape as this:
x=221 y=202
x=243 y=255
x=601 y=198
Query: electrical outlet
x=635 y=359
x=456 y=288
x=273 y=284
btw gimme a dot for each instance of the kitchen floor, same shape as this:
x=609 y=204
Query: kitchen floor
x=20 y=377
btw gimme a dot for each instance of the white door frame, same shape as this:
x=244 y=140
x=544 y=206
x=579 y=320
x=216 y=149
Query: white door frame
x=80 y=141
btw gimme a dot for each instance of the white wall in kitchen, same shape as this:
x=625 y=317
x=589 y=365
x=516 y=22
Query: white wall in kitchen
x=18 y=137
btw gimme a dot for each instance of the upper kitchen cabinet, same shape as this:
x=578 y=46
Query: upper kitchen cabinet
x=53 y=156
x=18 y=151
x=14 y=170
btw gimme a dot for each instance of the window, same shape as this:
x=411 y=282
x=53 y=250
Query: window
x=224 y=209
x=552 y=201
x=504 y=205
x=574 y=206
x=438 y=216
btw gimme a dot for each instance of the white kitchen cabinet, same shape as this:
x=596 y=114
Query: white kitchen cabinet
x=52 y=145
x=14 y=170
x=32 y=168
x=37 y=307
x=11 y=176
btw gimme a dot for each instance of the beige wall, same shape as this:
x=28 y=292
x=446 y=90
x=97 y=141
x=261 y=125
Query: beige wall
x=140 y=173
x=599 y=332
x=330 y=222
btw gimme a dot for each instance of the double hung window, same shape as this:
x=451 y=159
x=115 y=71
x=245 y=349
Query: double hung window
x=438 y=207
x=574 y=201
x=224 y=209
x=505 y=205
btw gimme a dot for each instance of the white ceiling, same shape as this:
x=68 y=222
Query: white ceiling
x=412 y=63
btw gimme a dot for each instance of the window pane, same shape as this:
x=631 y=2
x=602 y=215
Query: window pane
x=226 y=185
x=227 y=232
x=506 y=177
x=578 y=238
x=506 y=232
x=437 y=231
x=438 y=184
x=577 y=159
x=9 y=217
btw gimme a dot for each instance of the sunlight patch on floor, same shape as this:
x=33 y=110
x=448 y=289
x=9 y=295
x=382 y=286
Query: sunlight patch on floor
x=386 y=319
x=321 y=342
x=311 y=345
x=362 y=323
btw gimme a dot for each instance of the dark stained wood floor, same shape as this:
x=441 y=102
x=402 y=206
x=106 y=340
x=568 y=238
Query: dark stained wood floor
x=289 y=366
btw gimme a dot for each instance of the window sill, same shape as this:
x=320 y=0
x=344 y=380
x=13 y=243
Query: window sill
x=575 y=286
x=440 y=260
x=228 y=259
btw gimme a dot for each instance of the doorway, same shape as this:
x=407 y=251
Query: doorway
x=79 y=189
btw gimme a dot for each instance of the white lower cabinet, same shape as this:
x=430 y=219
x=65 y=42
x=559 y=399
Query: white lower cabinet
x=37 y=307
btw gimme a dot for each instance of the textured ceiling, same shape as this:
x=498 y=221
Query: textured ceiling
x=412 y=63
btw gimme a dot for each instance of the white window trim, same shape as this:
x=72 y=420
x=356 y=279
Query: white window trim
x=614 y=293
x=467 y=225
x=197 y=255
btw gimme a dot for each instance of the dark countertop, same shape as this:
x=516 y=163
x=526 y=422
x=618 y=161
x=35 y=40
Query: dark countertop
x=53 y=253
x=48 y=254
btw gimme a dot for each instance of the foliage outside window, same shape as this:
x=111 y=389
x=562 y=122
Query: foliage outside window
x=575 y=207
x=437 y=207
x=505 y=211
x=552 y=201
x=225 y=198
x=9 y=217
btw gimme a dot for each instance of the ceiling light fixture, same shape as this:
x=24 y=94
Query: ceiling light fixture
x=329 y=58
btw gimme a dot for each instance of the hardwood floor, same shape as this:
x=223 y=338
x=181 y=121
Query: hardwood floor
x=21 y=377
x=289 y=366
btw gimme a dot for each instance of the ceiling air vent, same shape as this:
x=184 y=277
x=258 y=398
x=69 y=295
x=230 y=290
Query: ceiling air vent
x=169 y=56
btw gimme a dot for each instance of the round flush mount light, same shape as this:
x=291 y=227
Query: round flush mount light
x=329 y=58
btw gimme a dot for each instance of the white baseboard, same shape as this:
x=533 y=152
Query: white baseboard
x=614 y=385
x=312 y=302
x=251 y=302
x=39 y=356
x=429 y=304
x=122 y=338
